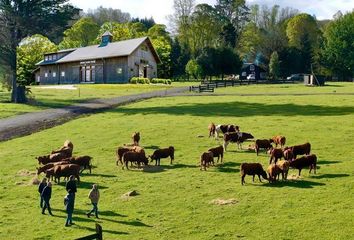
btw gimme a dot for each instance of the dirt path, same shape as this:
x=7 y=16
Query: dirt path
x=29 y=123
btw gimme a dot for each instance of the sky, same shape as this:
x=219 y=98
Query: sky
x=159 y=9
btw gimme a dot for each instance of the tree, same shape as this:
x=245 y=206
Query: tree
x=235 y=12
x=206 y=61
x=228 y=35
x=338 y=52
x=274 y=68
x=193 y=69
x=20 y=18
x=299 y=26
x=123 y=31
x=179 y=58
x=83 y=33
x=162 y=41
x=227 y=61
x=101 y=15
x=147 y=22
x=30 y=52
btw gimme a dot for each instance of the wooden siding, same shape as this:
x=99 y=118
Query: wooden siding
x=135 y=62
x=108 y=70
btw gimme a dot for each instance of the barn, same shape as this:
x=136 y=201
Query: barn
x=251 y=68
x=107 y=62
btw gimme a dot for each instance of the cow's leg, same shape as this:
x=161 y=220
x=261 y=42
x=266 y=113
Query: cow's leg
x=270 y=160
x=225 y=145
x=253 y=178
x=299 y=172
x=243 y=179
x=259 y=177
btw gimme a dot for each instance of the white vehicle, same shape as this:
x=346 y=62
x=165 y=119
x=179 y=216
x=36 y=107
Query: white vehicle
x=251 y=77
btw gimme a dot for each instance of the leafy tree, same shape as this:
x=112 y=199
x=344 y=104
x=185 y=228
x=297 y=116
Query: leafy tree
x=123 y=31
x=20 y=18
x=299 y=26
x=206 y=61
x=30 y=52
x=227 y=61
x=101 y=15
x=193 y=69
x=274 y=68
x=83 y=33
x=235 y=12
x=338 y=52
x=290 y=61
x=179 y=58
x=147 y=22
x=161 y=41
x=228 y=35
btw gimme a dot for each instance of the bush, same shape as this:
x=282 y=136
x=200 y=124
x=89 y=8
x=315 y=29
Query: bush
x=135 y=80
x=161 y=81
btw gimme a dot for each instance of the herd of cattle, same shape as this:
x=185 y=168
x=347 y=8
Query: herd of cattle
x=231 y=133
x=60 y=163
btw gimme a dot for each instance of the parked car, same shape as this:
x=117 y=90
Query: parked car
x=251 y=77
x=296 y=77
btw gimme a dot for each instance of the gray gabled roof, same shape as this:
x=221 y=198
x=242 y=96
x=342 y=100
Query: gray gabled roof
x=114 y=49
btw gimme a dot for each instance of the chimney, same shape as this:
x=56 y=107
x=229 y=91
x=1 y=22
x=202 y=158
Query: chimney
x=106 y=38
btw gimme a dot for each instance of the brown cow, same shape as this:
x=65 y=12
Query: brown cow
x=50 y=165
x=218 y=152
x=276 y=154
x=279 y=140
x=137 y=157
x=82 y=161
x=211 y=129
x=205 y=159
x=273 y=171
x=284 y=167
x=163 y=153
x=65 y=170
x=300 y=149
x=252 y=169
x=263 y=143
x=55 y=157
x=136 y=138
x=305 y=161
x=288 y=154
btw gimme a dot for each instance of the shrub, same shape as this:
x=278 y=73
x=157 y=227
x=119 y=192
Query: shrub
x=161 y=81
x=135 y=80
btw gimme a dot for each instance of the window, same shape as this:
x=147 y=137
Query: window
x=45 y=58
x=54 y=74
x=251 y=67
x=45 y=74
x=144 y=48
x=50 y=57
x=119 y=70
x=54 y=57
x=63 y=74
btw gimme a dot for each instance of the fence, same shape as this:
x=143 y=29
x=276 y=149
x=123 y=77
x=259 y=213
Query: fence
x=209 y=86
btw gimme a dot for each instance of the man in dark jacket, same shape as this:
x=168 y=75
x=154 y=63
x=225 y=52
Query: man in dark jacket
x=69 y=205
x=71 y=184
x=46 y=195
x=41 y=186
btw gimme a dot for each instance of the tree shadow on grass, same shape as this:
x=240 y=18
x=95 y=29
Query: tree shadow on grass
x=162 y=168
x=98 y=175
x=82 y=184
x=239 y=109
x=154 y=147
x=325 y=162
x=329 y=175
x=293 y=183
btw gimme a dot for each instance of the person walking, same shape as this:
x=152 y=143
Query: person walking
x=46 y=195
x=69 y=205
x=41 y=186
x=94 y=196
x=71 y=184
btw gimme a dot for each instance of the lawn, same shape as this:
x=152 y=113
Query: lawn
x=174 y=201
x=42 y=98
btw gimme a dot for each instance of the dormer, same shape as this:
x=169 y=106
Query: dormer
x=106 y=38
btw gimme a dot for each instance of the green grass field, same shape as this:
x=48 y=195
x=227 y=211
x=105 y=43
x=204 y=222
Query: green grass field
x=42 y=98
x=174 y=201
